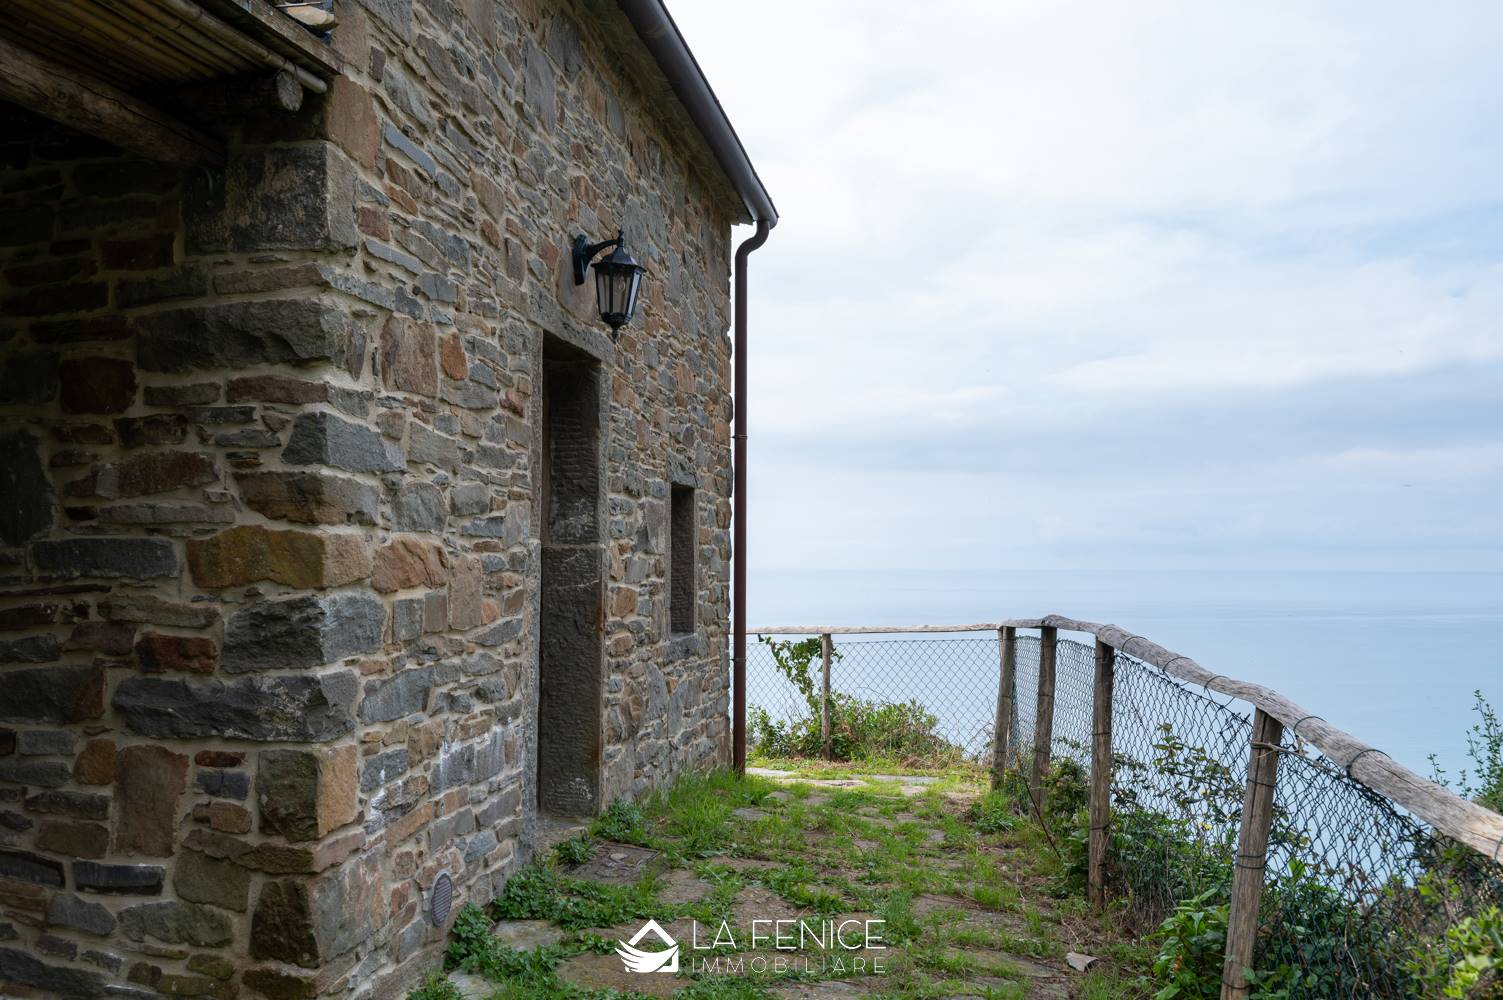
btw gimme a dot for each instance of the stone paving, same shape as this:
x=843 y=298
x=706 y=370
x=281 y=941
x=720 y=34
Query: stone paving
x=950 y=958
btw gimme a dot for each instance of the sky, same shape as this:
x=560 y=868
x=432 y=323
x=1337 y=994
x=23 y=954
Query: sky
x=1159 y=285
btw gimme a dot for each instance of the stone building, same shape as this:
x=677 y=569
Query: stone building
x=339 y=539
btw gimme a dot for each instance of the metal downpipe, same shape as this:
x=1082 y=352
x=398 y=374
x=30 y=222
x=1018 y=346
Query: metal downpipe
x=738 y=502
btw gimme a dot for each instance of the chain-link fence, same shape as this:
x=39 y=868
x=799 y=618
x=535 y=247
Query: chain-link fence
x=928 y=699
x=1360 y=898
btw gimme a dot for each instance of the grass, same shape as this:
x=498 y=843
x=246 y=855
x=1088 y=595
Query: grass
x=967 y=889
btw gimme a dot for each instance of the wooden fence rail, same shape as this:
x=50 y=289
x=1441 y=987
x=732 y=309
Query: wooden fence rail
x=1442 y=809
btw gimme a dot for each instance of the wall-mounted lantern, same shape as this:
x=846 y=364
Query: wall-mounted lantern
x=618 y=279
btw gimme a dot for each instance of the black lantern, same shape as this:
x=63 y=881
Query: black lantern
x=618 y=279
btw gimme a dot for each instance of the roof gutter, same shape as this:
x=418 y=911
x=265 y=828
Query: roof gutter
x=661 y=36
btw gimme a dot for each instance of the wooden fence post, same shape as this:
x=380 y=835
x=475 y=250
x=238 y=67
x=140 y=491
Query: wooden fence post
x=1101 y=773
x=826 y=649
x=1252 y=854
x=1007 y=692
x=1043 y=719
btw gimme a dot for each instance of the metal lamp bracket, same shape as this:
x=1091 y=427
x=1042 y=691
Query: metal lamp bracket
x=585 y=251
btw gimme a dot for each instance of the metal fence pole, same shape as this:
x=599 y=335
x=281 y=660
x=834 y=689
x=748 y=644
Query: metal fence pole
x=1101 y=773
x=1007 y=693
x=1252 y=854
x=1043 y=720
x=826 y=649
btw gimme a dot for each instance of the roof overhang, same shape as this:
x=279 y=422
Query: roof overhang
x=655 y=28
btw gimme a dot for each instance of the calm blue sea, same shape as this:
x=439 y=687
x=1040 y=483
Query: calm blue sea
x=1391 y=657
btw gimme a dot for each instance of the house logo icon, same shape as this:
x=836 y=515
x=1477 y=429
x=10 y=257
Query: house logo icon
x=637 y=960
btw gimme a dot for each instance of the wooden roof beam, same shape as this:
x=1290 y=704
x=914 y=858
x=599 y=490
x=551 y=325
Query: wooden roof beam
x=100 y=109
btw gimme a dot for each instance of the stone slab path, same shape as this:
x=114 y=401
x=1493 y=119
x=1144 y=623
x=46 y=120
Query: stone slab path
x=951 y=909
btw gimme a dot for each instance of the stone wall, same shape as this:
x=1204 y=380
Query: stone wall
x=270 y=523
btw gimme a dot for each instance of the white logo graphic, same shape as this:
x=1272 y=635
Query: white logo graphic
x=637 y=960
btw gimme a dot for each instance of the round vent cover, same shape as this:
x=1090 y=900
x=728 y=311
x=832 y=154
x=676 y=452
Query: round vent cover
x=441 y=898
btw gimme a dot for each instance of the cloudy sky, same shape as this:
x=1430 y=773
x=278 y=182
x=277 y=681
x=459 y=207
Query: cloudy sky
x=1171 y=285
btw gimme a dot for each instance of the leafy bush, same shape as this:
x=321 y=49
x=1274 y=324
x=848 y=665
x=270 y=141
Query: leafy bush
x=1191 y=946
x=861 y=729
x=576 y=850
x=993 y=813
x=623 y=822
x=1483 y=781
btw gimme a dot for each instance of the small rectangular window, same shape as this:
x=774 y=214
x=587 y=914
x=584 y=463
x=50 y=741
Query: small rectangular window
x=681 y=537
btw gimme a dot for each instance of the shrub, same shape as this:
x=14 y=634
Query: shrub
x=1482 y=782
x=623 y=822
x=1191 y=946
x=861 y=729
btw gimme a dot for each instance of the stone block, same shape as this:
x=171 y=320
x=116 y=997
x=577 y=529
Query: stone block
x=309 y=497
x=53 y=694
x=426 y=446
x=251 y=553
x=45 y=742
x=199 y=878
x=240 y=335
x=110 y=638
x=192 y=394
x=383 y=769
x=27 y=867
x=465 y=593
x=30 y=971
x=156 y=653
x=31 y=649
x=276 y=389
x=323 y=439
x=396 y=697
x=154 y=429
x=74 y=840
x=294 y=708
x=29 y=507
x=418 y=507
x=303 y=631
x=304 y=794
x=96 y=764
x=145 y=474
x=469 y=498
x=97 y=385
x=226 y=817
x=135 y=558
x=407 y=618
x=282 y=925
x=148 y=610
x=62 y=802
x=276 y=198
x=408 y=562
x=131 y=880
x=149 y=781
x=174 y=922
x=65 y=910
x=225 y=784
x=409 y=357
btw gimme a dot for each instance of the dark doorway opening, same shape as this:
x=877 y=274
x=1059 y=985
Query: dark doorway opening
x=571 y=661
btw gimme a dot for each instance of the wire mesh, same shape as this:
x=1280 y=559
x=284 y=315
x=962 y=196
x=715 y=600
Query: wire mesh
x=928 y=697
x=1361 y=899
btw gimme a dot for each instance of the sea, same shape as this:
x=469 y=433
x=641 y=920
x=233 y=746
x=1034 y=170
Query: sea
x=1393 y=658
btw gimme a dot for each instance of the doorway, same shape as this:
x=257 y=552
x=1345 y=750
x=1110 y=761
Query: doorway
x=571 y=660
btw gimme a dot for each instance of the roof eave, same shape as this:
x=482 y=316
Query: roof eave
x=655 y=26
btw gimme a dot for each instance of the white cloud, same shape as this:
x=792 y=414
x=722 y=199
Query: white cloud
x=1016 y=224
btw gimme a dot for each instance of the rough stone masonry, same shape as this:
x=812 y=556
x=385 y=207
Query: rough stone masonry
x=272 y=503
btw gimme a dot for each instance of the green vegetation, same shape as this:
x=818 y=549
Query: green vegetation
x=961 y=880
x=1482 y=782
x=982 y=891
x=901 y=734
